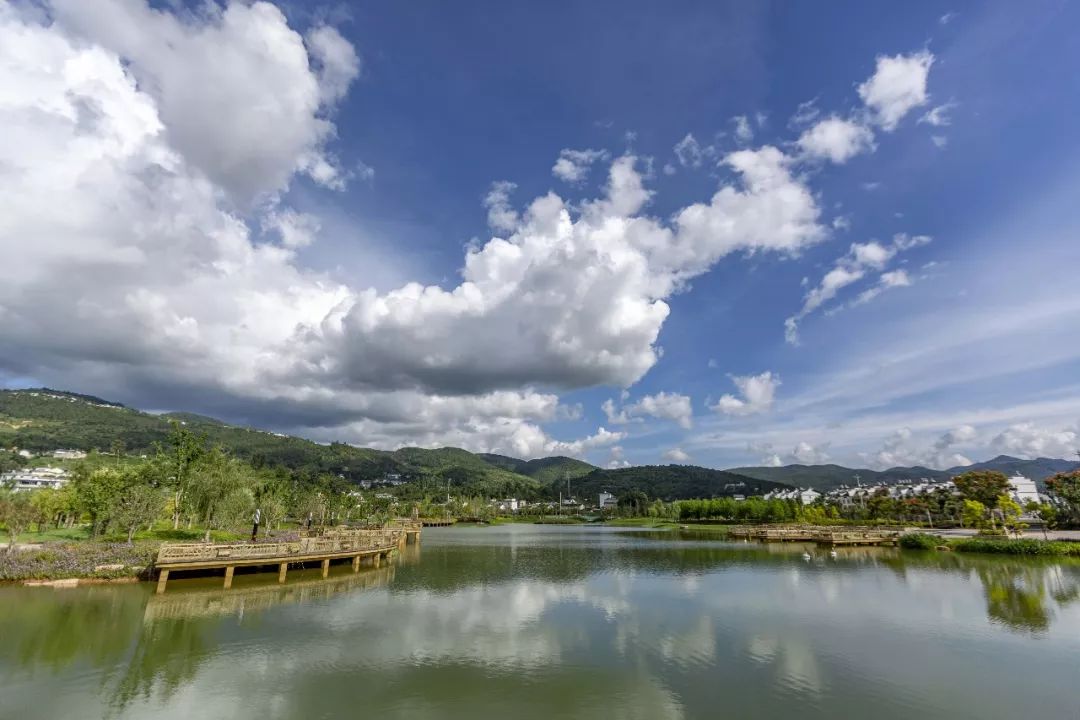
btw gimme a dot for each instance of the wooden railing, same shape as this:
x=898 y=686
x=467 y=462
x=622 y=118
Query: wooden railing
x=331 y=543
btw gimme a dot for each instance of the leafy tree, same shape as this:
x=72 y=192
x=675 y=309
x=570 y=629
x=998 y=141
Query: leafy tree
x=98 y=491
x=973 y=514
x=1010 y=514
x=983 y=486
x=139 y=505
x=183 y=451
x=16 y=513
x=1065 y=487
x=220 y=490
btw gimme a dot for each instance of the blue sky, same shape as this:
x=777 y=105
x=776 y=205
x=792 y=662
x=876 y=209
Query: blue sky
x=330 y=172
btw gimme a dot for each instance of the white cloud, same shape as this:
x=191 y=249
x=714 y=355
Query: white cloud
x=897 y=86
x=690 y=153
x=501 y=215
x=947 y=18
x=886 y=281
x=757 y=391
x=233 y=88
x=295 y=229
x=807 y=454
x=676 y=455
x=1029 y=440
x=744 y=132
x=573 y=166
x=336 y=62
x=166 y=136
x=940 y=141
x=898 y=450
x=938 y=116
x=806 y=113
x=663 y=405
x=836 y=139
x=850 y=268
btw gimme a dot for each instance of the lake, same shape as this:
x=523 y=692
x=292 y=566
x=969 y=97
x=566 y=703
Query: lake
x=523 y=621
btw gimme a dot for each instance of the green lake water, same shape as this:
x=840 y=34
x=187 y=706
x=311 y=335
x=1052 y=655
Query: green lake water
x=527 y=621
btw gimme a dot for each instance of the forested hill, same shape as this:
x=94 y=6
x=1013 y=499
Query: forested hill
x=42 y=419
x=671 y=482
x=827 y=477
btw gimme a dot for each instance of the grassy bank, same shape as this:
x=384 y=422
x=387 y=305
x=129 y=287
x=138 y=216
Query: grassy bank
x=995 y=546
x=60 y=560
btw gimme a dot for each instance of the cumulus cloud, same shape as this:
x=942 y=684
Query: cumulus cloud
x=236 y=92
x=757 y=394
x=676 y=455
x=166 y=135
x=663 y=405
x=808 y=454
x=501 y=215
x=897 y=86
x=861 y=259
x=938 y=116
x=1029 y=440
x=899 y=450
x=836 y=140
x=573 y=166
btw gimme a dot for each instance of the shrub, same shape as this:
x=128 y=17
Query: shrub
x=1017 y=547
x=919 y=541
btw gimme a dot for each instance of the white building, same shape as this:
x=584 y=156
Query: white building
x=607 y=500
x=1023 y=490
x=69 y=454
x=509 y=505
x=805 y=496
x=35 y=478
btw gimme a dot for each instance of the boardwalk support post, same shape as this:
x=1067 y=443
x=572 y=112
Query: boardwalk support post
x=283 y=568
x=356 y=563
x=228 y=575
x=163 y=577
x=325 y=567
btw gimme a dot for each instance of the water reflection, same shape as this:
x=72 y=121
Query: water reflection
x=555 y=624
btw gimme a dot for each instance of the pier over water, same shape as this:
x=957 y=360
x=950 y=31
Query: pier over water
x=371 y=546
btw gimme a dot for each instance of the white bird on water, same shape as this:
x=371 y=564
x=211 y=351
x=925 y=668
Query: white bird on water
x=832 y=554
x=806 y=556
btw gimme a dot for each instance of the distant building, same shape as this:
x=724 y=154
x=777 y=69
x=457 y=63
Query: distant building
x=805 y=496
x=1023 y=490
x=35 y=478
x=607 y=500
x=69 y=454
x=509 y=505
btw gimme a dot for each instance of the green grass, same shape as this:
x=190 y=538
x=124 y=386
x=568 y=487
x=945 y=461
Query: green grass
x=1023 y=546
x=161 y=533
x=641 y=522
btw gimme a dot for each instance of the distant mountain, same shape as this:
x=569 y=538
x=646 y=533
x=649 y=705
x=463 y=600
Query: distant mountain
x=41 y=420
x=547 y=470
x=828 y=477
x=671 y=482
x=1038 y=469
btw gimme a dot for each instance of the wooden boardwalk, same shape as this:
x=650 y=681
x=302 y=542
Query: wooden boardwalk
x=822 y=535
x=373 y=546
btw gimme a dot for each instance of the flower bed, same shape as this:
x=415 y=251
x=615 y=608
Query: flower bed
x=78 y=560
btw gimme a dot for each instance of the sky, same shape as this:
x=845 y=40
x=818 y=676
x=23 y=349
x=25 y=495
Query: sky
x=716 y=233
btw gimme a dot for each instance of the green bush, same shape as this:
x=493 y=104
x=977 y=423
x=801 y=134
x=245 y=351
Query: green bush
x=919 y=541
x=1017 y=547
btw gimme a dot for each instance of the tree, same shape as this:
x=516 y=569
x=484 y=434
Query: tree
x=138 y=505
x=1010 y=512
x=183 y=452
x=973 y=514
x=983 y=486
x=1065 y=486
x=16 y=513
x=220 y=490
x=97 y=491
